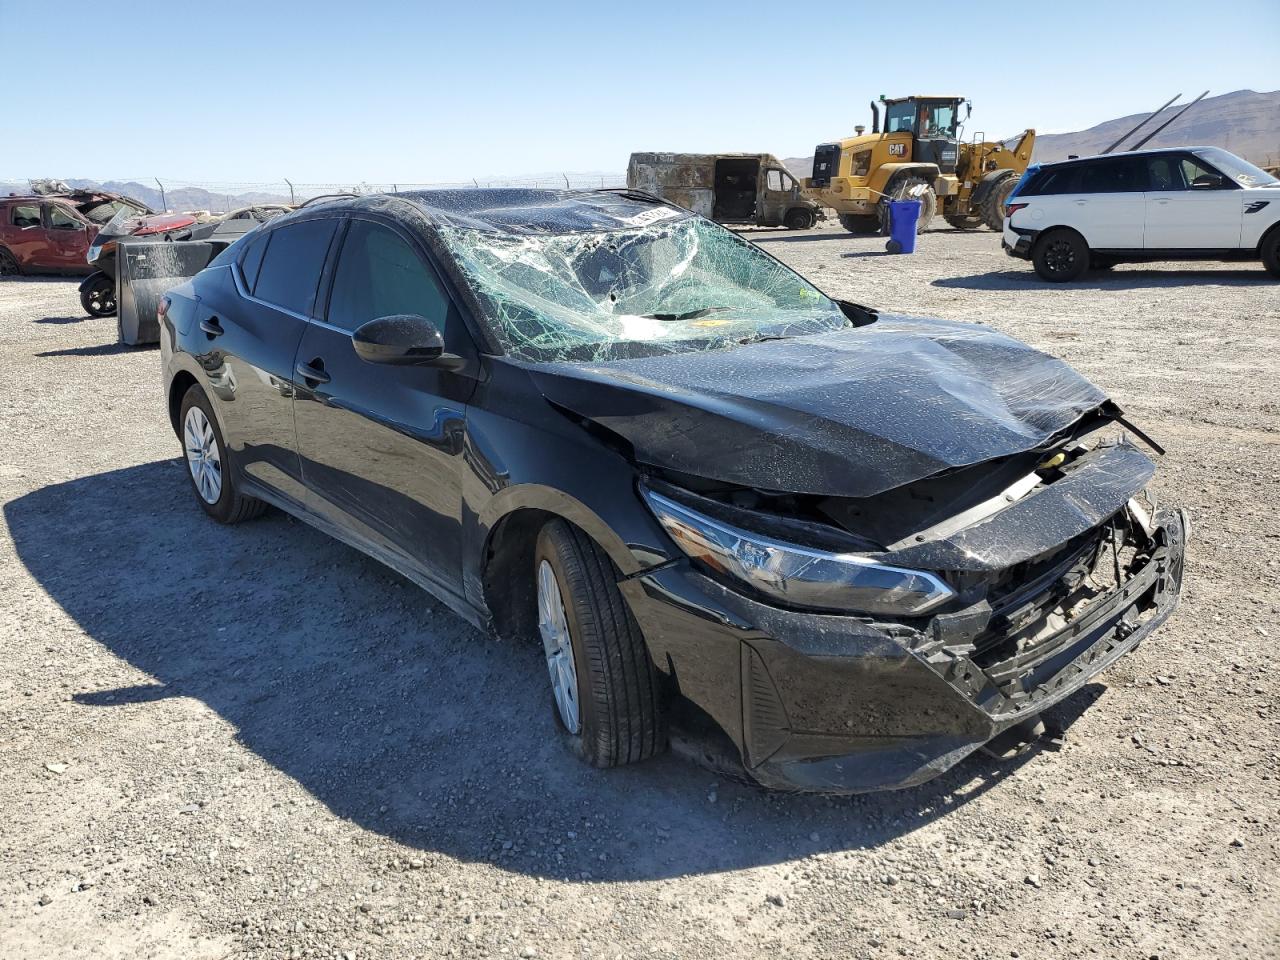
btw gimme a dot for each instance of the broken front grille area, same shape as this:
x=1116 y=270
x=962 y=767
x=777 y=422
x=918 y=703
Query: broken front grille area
x=1035 y=606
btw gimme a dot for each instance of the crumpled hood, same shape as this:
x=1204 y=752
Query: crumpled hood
x=849 y=413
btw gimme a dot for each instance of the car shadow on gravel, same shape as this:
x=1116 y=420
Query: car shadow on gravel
x=1117 y=279
x=392 y=711
x=98 y=350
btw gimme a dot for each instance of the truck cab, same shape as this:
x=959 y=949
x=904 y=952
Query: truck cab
x=753 y=189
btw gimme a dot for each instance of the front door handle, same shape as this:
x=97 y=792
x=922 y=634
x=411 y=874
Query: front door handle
x=313 y=372
x=1081 y=203
x=212 y=327
x=1162 y=200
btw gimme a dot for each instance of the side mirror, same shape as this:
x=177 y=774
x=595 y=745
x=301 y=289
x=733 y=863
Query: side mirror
x=403 y=340
x=1208 y=181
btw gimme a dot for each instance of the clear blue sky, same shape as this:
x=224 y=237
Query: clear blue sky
x=343 y=92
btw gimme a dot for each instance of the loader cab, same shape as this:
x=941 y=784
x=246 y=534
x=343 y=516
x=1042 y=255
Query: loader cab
x=932 y=123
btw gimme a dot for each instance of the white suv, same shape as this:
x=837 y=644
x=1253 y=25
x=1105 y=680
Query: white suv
x=1180 y=204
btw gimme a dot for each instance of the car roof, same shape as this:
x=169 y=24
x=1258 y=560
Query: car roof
x=1155 y=151
x=514 y=211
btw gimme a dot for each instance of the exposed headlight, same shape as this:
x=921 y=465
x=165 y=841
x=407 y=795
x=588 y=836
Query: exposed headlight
x=799 y=576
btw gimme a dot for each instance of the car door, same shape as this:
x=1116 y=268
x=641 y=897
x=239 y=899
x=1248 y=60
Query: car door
x=777 y=198
x=253 y=328
x=1110 y=208
x=381 y=445
x=68 y=236
x=27 y=237
x=1191 y=206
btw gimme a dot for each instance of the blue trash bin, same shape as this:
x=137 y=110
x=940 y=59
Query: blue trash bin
x=903 y=217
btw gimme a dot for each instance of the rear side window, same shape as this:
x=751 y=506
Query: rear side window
x=291 y=266
x=25 y=215
x=380 y=275
x=1114 y=175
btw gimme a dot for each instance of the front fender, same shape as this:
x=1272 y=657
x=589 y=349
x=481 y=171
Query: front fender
x=886 y=172
x=92 y=279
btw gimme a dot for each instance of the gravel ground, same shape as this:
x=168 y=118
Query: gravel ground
x=253 y=741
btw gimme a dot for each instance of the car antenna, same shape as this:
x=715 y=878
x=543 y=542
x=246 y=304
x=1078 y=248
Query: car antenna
x=1141 y=125
x=1139 y=144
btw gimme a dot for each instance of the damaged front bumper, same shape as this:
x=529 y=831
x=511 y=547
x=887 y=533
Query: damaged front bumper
x=846 y=704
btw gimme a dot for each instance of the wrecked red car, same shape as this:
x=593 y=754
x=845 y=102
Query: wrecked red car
x=51 y=233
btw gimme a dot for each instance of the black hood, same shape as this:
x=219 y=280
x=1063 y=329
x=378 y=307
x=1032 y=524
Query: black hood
x=850 y=413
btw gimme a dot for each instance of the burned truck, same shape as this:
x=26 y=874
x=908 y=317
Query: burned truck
x=753 y=189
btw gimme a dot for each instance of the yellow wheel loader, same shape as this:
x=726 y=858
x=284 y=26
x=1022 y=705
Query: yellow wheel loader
x=919 y=153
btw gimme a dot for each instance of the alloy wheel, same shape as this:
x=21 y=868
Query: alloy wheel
x=203 y=459
x=553 y=624
x=1060 y=257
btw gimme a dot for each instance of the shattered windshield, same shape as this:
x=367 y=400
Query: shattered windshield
x=676 y=286
x=102 y=212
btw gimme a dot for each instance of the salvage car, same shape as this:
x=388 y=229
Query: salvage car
x=1189 y=203
x=52 y=232
x=847 y=548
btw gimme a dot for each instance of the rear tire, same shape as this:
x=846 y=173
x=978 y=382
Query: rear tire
x=619 y=715
x=799 y=218
x=1060 y=255
x=992 y=207
x=9 y=266
x=1271 y=253
x=964 y=222
x=99 y=298
x=904 y=189
x=859 y=223
x=205 y=453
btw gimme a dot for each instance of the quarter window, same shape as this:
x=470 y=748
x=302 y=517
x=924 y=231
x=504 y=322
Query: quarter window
x=26 y=215
x=251 y=262
x=292 y=263
x=380 y=275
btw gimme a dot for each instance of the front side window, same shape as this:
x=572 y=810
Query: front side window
x=1114 y=175
x=292 y=264
x=773 y=181
x=1197 y=176
x=380 y=275
x=936 y=120
x=1241 y=171
x=25 y=215
x=61 y=219
x=678 y=285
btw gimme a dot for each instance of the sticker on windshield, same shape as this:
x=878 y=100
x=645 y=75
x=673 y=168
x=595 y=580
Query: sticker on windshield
x=651 y=216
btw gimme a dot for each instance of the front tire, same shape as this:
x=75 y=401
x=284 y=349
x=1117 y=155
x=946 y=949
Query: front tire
x=1271 y=253
x=9 y=266
x=911 y=188
x=799 y=218
x=205 y=453
x=605 y=689
x=1060 y=256
x=99 y=298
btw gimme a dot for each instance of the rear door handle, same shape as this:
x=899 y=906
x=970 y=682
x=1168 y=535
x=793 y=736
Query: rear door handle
x=313 y=372
x=212 y=327
x=1162 y=199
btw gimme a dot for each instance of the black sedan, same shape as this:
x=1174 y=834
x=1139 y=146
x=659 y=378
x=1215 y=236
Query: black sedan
x=847 y=548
